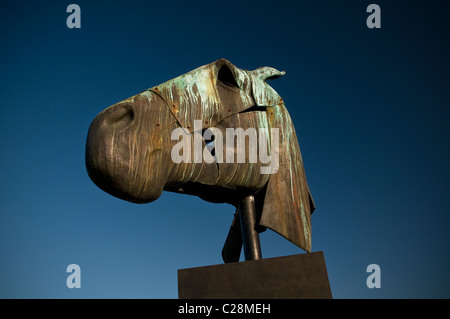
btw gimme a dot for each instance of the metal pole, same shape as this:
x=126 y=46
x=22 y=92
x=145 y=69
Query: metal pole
x=250 y=237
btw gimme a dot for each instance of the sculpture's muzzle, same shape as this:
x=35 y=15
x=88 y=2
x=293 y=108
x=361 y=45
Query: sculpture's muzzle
x=124 y=149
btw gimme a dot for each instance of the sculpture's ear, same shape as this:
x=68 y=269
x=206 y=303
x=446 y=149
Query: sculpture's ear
x=267 y=73
x=287 y=202
x=263 y=94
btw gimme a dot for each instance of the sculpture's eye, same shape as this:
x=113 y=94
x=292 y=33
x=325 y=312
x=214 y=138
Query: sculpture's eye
x=209 y=137
x=209 y=143
x=226 y=76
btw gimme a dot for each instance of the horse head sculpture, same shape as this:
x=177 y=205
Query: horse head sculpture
x=170 y=137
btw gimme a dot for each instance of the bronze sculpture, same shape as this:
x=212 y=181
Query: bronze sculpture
x=130 y=152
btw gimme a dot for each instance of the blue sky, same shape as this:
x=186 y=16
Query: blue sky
x=370 y=107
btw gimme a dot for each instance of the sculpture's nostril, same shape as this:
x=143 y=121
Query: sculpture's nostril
x=119 y=116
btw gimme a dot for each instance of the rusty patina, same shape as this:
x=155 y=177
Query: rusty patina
x=128 y=149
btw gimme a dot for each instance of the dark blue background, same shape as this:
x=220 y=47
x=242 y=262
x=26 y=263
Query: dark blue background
x=370 y=107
